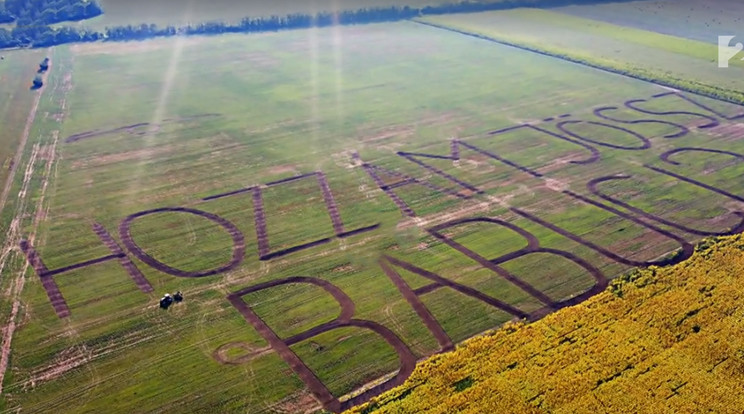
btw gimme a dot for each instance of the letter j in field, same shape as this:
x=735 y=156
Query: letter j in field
x=727 y=51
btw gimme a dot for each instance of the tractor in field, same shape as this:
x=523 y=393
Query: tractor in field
x=37 y=83
x=167 y=300
x=44 y=65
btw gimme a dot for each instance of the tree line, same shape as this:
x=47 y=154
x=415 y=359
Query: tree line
x=33 y=12
x=33 y=17
x=324 y=19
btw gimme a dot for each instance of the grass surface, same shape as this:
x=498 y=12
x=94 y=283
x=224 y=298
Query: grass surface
x=299 y=102
x=611 y=45
x=702 y=21
x=17 y=70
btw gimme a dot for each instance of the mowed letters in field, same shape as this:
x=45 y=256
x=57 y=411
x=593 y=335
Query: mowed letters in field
x=384 y=173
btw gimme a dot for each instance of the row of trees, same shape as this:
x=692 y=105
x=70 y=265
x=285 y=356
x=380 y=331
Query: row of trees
x=33 y=17
x=265 y=24
x=39 y=34
x=43 y=36
x=5 y=16
x=45 y=12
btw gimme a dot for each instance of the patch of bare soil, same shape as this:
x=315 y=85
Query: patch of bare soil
x=261 y=60
x=288 y=123
x=729 y=132
x=343 y=268
x=387 y=133
x=435 y=219
x=47 y=152
x=346 y=159
x=67 y=360
x=300 y=402
x=222 y=356
x=124 y=48
x=67 y=82
x=145 y=153
x=283 y=169
x=556 y=185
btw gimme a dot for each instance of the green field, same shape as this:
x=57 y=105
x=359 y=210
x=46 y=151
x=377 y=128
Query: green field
x=611 y=44
x=235 y=111
x=703 y=21
x=17 y=70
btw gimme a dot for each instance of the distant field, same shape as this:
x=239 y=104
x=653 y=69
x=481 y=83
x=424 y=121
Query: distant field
x=695 y=61
x=180 y=12
x=698 y=20
x=348 y=159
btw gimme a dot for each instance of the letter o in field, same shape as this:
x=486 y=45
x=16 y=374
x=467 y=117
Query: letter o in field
x=645 y=143
x=238 y=249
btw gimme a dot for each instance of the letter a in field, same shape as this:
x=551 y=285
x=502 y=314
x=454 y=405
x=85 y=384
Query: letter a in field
x=726 y=52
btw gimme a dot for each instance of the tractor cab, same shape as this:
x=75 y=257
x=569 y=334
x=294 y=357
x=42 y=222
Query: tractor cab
x=166 y=301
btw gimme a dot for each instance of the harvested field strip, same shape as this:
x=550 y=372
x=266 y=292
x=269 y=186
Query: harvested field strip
x=599 y=32
x=644 y=68
x=703 y=21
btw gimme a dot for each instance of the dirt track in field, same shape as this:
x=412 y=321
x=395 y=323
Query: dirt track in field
x=22 y=144
x=13 y=237
x=249 y=353
x=13 y=234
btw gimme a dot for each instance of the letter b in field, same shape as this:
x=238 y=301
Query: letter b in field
x=726 y=51
x=344 y=320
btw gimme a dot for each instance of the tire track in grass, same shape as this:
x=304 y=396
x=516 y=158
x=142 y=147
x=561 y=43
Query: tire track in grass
x=39 y=215
x=24 y=139
x=12 y=239
x=9 y=250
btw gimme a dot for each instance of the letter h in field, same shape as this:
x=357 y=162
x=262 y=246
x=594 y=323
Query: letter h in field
x=47 y=275
x=727 y=51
